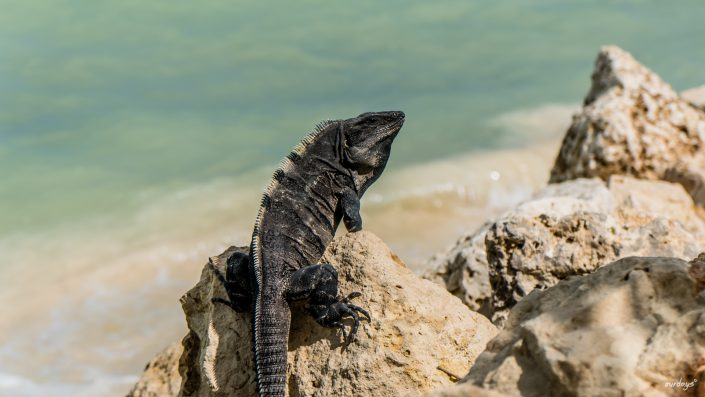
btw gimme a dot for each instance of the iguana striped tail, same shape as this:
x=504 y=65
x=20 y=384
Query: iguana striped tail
x=271 y=320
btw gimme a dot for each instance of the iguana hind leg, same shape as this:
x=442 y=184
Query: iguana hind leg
x=236 y=282
x=319 y=283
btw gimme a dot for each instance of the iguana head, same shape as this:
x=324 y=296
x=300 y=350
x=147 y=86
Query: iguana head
x=366 y=144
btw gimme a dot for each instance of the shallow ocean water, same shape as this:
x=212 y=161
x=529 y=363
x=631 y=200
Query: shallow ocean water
x=135 y=140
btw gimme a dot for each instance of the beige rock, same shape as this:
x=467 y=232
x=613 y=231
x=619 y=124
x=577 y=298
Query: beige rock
x=575 y=227
x=631 y=328
x=569 y=229
x=161 y=376
x=633 y=123
x=420 y=336
x=696 y=96
x=461 y=390
x=464 y=272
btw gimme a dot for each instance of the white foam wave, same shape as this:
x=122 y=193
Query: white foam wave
x=547 y=121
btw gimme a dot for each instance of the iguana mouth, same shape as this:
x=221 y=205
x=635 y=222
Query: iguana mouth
x=394 y=126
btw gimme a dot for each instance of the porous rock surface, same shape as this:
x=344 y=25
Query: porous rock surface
x=577 y=226
x=161 y=376
x=696 y=96
x=633 y=123
x=568 y=229
x=420 y=337
x=635 y=327
x=464 y=272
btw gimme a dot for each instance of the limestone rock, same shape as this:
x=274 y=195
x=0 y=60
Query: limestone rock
x=464 y=272
x=568 y=229
x=575 y=227
x=462 y=390
x=161 y=377
x=695 y=96
x=632 y=328
x=633 y=123
x=420 y=337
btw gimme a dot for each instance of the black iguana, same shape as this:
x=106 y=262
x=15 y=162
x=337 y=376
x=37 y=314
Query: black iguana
x=317 y=185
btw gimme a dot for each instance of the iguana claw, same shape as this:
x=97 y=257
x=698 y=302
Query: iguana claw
x=332 y=315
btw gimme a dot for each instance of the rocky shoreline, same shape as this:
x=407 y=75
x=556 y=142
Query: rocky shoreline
x=594 y=287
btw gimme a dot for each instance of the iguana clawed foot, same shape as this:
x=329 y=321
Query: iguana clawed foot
x=331 y=315
x=319 y=284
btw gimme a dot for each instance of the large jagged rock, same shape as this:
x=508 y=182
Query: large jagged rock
x=569 y=229
x=635 y=327
x=575 y=227
x=633 y=123
x=161 y=376
x=420 y=336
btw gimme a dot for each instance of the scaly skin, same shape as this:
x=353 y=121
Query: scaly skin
x=319 y=184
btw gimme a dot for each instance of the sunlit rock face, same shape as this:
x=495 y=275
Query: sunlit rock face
x=633 y=123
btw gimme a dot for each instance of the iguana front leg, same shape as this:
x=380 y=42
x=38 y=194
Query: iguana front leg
x=350 y=205
x=319 y=283
x=236 y=282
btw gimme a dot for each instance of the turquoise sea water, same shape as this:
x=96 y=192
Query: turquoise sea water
x=105 y=105
x=135 y=138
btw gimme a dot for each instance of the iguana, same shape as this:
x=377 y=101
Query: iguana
x=319 y=183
